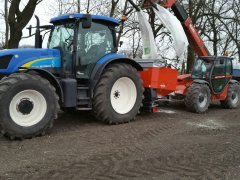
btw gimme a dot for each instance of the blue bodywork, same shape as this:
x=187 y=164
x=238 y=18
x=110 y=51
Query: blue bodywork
x=110 y=56
x=41 y=58
x=34 y=58
x=236 y=73
x=79 y=16
x=49 y=58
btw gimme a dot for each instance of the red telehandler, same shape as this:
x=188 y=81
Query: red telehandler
x=211 y=78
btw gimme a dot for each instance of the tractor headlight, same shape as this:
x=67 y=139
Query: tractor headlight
x=4 y=61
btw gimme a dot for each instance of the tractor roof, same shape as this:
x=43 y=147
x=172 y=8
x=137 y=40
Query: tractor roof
x=80 y=16
x=214 y=58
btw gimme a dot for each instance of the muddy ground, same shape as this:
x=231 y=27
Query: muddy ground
x=171 y=144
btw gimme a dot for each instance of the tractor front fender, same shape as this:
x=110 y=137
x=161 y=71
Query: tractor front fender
x=50 y=77
x=101 y=65
x=200 y=81
x=232 y=81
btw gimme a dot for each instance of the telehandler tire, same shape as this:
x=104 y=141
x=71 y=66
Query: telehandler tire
x=233 y=97
x=118 y=95
x=198 y=98
x=29 y=105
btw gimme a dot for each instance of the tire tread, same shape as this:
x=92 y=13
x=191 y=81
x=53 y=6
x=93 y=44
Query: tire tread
x=6 y=85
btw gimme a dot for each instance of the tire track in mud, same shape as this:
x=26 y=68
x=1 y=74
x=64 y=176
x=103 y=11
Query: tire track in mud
x=208 y=161
x=106 y=163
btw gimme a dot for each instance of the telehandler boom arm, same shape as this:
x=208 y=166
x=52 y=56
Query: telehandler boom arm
x=193 y=36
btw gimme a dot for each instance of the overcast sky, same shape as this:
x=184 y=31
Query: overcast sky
x=42 y=11
x=45 y=11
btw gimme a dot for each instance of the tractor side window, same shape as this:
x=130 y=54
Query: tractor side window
x=219 y=69
x=201 y=69
x=229 y=67
x=62 y=37
x=93 y=44
x=219 y=81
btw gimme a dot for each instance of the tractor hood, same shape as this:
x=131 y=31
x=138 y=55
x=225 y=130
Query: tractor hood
x=13 y=59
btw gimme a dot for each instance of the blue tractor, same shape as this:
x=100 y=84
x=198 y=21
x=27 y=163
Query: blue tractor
x=79 y=70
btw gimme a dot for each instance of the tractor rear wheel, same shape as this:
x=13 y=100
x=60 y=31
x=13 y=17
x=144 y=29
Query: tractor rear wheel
x=29 y=104
x=198 y=98
x=118 y=94
x=233 y=97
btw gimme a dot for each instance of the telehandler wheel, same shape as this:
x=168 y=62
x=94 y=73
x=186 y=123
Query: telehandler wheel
x=118 y=94
x=29 y=105
x=198 y=98
x=233 y=97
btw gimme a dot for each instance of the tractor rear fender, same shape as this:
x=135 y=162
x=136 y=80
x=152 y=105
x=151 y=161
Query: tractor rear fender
x=99 y=68
x=51 y=78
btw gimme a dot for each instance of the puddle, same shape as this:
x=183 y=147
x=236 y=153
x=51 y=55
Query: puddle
x=209 y=124
x=166 y=111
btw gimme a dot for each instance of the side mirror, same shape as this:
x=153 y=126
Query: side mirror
x=221 y=61
x=87 y=21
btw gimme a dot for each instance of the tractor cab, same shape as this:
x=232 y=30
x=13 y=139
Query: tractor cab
x=217 y=71
x=83 y=40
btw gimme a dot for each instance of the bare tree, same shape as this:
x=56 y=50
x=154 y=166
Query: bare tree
x=6 y=22
x=19 y=19
x=113 y=7
x=79 y=6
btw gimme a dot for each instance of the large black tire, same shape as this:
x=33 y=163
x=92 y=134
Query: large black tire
x=102 y=102
x=198 y=98
x=31 y=97
x=233 y=97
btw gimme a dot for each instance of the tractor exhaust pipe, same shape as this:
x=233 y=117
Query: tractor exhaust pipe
x=38 y=36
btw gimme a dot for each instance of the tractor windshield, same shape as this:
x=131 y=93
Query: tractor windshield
x=62 y=38
x=202 y=68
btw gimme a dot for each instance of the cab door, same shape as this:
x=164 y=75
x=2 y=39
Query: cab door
x=221 y=74
x=93 y=43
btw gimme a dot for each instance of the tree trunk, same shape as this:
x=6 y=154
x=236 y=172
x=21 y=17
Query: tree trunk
x=6 y=23
x=15 y=39
x=113 y=7
x=191 y=52
x=190 y=59
x=18 y=20
x=88 y=6
x=122 y=23
x=79 y=6
x=238 y=47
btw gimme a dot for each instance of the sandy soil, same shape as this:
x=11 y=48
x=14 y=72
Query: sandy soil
x=171 y=144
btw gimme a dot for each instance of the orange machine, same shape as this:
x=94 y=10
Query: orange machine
x=163 y=79
x=210 y=80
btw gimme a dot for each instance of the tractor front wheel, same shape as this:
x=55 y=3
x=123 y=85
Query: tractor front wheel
x=29 y=104
x=118 y=94
x=198 y=98
x=233 y=97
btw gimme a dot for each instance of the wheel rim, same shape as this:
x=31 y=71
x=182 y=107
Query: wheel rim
x=235 y=97
x=123 y=95
x=28 y=108
x=203 y=100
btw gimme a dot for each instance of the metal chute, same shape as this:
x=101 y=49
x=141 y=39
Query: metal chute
x=174 y=26
x=149 y=45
